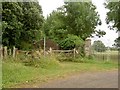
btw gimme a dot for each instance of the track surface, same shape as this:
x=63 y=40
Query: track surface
x=106 y=79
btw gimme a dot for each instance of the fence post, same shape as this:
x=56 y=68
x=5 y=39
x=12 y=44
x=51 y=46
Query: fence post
x=14 y=51
x=5 y=51
x=1 y=52
x=10 y=52
x=87 y=47
x=50 y=50
x=74 y=52
x=108 y=55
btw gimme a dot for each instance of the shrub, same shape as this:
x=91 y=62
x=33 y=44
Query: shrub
x=72 y=41
x=49 y=61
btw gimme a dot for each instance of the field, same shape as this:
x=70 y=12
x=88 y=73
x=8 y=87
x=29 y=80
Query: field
x=17 y=74
x=108 y=55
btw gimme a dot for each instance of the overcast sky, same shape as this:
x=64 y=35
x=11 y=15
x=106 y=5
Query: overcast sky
x=49 y=5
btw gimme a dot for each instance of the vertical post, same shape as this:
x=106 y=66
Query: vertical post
x=44 y=47
x=50 y=50
x=1 y=52
x=87 y=47
x=14 y=52
x=108 y=56
x=10 y=52
x=74 y=52
x=5 y=51
x=16 y=49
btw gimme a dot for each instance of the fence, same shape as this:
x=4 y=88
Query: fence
x=74 y=51
x=64 y=54
x=4 y=52
x=106 y=56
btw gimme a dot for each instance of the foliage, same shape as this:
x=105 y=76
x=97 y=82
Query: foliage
x=43 y=62
x=55 y=27
x=16 y=74
x=113 y=16
x=78 y=19
x=72 y=41
x=21 y=22
x=99 y=46
x=117 y=42
x=81 y=19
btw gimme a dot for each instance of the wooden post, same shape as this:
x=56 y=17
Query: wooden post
x=5 y=51
x=50 y=50
x=1 y=52
x=14 y=52
x=87 y=47
x=10 y=52
x=44 y=47
x=108 y=55
x=74 y=52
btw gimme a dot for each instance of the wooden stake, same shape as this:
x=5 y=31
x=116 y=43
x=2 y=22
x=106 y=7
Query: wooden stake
x=14 y=52
x=10 y=52
x=5 y=51
x=1 y=52
x=74 y=52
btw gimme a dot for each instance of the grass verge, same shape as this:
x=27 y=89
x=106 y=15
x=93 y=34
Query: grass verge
x=17 y=74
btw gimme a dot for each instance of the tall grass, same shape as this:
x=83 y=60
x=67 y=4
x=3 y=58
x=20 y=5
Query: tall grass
x=25 y=70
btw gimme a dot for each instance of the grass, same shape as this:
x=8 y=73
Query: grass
x=108 y=52
x=17 y=74
x=111 y=55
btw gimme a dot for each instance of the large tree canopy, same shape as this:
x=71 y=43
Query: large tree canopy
x=78 y=19
x=113 y=16
x=82 y=19
x=21 y=22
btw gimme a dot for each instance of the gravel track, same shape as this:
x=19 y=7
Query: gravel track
x=106 y=79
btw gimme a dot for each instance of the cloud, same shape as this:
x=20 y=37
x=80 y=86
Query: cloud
x=49 y=5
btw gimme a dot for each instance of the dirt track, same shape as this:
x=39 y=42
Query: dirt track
x=108 y=79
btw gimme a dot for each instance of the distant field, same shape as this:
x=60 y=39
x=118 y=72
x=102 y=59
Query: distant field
x=111 y=55
x=107 y=52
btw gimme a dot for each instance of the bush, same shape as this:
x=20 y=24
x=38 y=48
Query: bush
x=71 y=42
x=43 y=62
x=50 y=61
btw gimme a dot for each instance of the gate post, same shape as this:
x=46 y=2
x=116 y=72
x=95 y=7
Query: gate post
x=87 y=47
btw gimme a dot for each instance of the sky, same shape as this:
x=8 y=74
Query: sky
x=49 y=5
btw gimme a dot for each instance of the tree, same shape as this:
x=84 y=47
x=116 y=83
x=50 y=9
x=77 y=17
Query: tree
x=55 y=26
x=11 y=23
x=79 y=19
x=117 y=42
x=99 y=46
x=21 y=23
x=113 y=16
x=72 y=41
x=32 y=21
